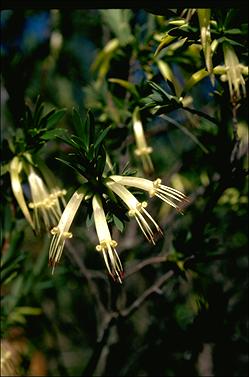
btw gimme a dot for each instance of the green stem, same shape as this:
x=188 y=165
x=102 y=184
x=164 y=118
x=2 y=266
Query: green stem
x=201 y=114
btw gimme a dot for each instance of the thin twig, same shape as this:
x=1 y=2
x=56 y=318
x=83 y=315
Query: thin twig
x=236 y=139
x=141 y=299
x=144 y=263
x=201 y=114
x=185 y=131
x=101 y=342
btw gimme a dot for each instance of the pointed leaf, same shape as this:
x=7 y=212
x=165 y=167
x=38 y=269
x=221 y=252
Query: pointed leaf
x=80 y=128
x=101 y=136
x=53 y=134
x=4 y=169
x=185 y=131
x=29 y=118
x=101 y=161
x=167 y=39
x=44 y=119
x=231 y=41
x=233 y=31
x=165 y=95
x=55 y=118
x=37 y=115
x=169 y=76
x=119 y=224
x=68 y=140
x=89 y=220
x=68 y=163
x=194 y=79
x=125 y=84
x=90 y=127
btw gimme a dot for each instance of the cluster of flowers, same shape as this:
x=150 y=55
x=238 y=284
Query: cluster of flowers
x=47 y=201
x=117 y=184
x=46 y=198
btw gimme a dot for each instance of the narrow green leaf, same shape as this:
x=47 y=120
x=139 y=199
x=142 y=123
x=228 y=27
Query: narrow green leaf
x=89 y=220
x=66 y=163
x=233 y=31
x=80 y=128
x=90 y=127
x=72 y=160
x=231 y=41
x=159 y=89
x=125 y=84
x=4 y=169
x=37 y=115
x=9 y=278
x=167 y=39
x=168 y=75
x=52 y=134
x=37 y=111
x=29 y=118
x=91 y=152
x=38 y=103
x=185 y=131
x=119 y=224
x=101 y=136
x=68 y=140
x=194 y=79
x=44 y=119
x=101 y=161
x=55 y=118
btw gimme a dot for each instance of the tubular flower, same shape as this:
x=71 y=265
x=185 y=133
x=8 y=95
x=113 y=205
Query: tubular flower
x=234 y=72
x=106 y=244
x=204 y=22
x=165 y=193
x=143 y=150
x=61 y=231
x=15 y=170
x=137 y=210
x=45 y=201
x=46 y=205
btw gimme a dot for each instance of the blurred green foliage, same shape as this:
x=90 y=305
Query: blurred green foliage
x=182 y=309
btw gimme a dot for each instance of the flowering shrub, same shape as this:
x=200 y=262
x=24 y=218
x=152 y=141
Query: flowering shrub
x=115 y=123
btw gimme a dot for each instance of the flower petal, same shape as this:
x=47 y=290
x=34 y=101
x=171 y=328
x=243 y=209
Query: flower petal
x=15 y=169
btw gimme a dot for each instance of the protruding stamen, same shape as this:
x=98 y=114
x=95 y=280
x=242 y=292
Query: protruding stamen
x=156 y=188
x=136 y=209
x=106 y=244
x=61 y=232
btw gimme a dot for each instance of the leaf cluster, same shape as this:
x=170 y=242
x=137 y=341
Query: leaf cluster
x=87 y=155
x=34 y=129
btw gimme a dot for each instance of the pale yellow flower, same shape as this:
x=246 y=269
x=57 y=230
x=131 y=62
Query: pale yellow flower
x=169 y=195
x=106 y=243
x=143 y=151
x=204 y=22
x=234 y=72
x=16 y=166
x=45 y=203
x=61 y=231
x=137 y=210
